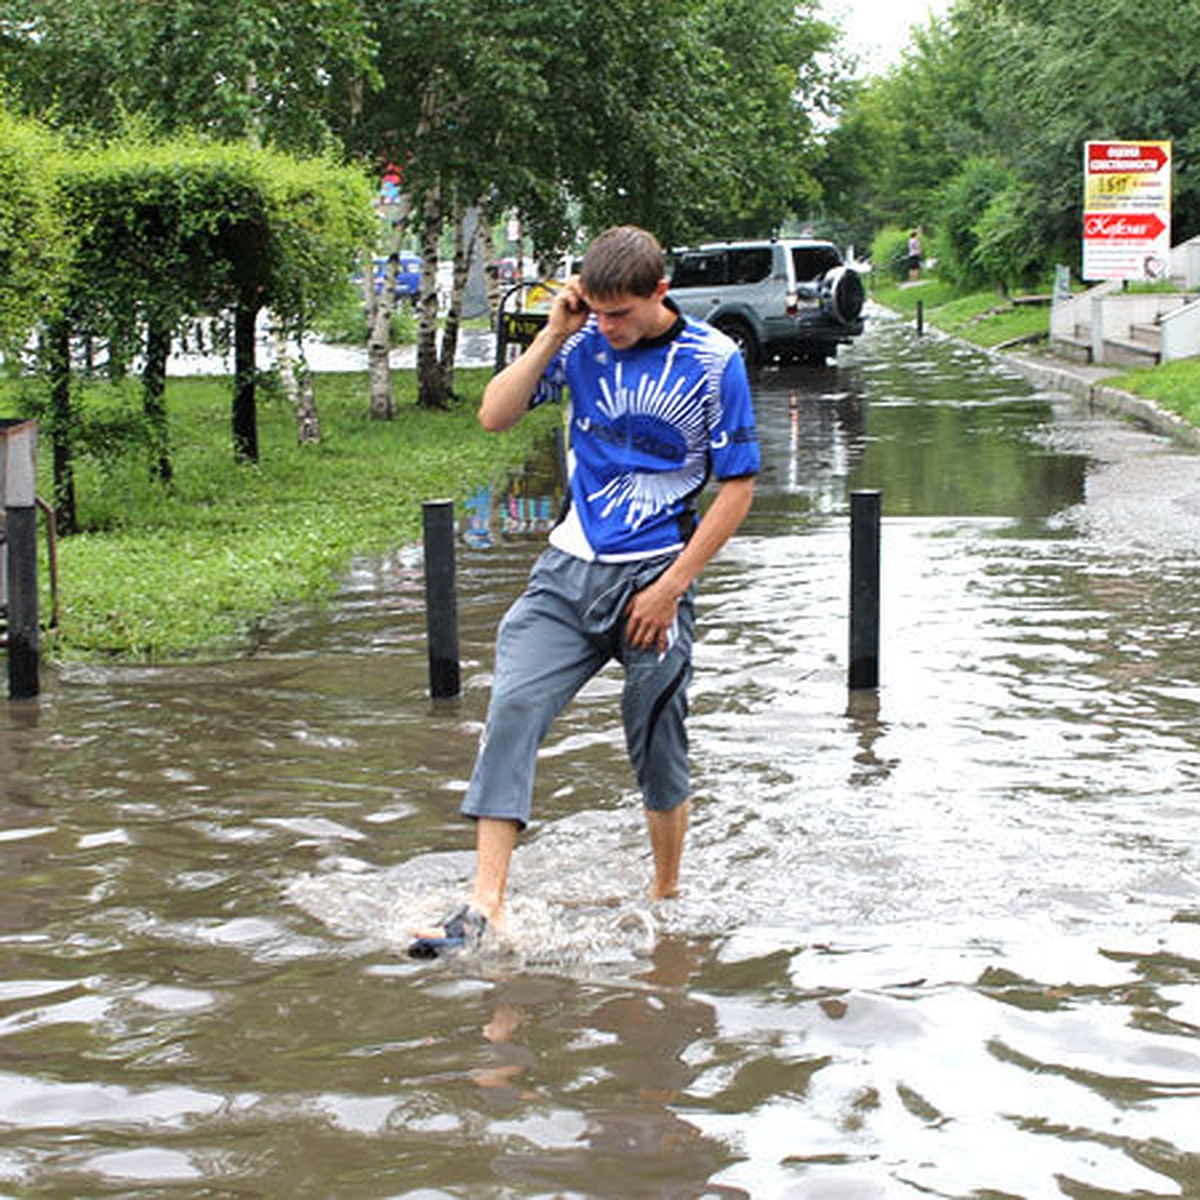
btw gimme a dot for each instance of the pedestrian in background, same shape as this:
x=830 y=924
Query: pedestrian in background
x=914 y=256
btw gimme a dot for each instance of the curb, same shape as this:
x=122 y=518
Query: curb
x=1087 y=384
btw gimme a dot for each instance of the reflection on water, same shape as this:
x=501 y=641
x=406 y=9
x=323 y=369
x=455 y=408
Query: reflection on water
x=529 y=504
x=963 y=447
x=488 y=516
x=942 y=939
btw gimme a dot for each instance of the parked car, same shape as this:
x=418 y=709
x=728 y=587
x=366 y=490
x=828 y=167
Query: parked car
x=511 y=270
x=792 y=298
x=408 y=275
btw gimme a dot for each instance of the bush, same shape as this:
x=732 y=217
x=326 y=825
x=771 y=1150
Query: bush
x=33 y=238
x=889 y=253
x=984 y=232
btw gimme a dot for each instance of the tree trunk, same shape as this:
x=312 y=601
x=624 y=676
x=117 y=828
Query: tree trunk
x=379 y=340
x=283 y=363
x=462 y=264
x=486 y=249
x=432 y=391
x=62 y=424
x=296 y=380
x=308 y=423
x=245 y=412
x=154 y=405
x=379 y=321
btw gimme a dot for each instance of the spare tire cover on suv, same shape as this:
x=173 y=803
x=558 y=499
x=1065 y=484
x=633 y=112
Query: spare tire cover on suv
x=842 y=294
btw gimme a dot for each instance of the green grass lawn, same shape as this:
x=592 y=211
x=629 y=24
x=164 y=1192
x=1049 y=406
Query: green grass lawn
x=985 y=318
x=1174 y=385
x=167 y=571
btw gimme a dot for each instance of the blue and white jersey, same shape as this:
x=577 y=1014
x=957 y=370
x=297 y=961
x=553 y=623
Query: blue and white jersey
x=648 y=426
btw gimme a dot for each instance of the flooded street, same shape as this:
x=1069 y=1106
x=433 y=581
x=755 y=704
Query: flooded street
x=942 y=939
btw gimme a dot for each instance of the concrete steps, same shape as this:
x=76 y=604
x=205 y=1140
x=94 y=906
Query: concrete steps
x=1142 y=347
x=1075 y=344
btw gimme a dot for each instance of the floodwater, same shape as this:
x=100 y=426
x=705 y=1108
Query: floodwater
x=939 y=939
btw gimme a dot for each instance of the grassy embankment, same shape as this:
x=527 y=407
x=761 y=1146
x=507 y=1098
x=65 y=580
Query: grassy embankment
x=197 y=566
x=989 y=320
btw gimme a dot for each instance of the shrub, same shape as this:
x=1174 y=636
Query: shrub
x=889 y=253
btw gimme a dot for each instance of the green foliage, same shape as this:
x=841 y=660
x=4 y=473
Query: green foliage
x=889 y=254
x=684 y=116
x=987 y=115
x=33 y=238
x=166 y=571
x=257 y=70
x=1174 y=385
x=1005 y=252
x=169 y=230
x=987 y=229
x=322 y=221
x=965 y=196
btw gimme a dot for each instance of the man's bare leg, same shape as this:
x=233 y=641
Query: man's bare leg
x=667 y=833
x=495 y=841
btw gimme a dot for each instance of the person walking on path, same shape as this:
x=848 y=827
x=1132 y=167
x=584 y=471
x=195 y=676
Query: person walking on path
x=659 y=402
x=914 y=256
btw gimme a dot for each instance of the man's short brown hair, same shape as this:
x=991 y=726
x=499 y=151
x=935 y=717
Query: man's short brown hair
x=623 y=261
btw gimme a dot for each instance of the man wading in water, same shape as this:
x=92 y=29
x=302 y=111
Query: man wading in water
x=659 y=402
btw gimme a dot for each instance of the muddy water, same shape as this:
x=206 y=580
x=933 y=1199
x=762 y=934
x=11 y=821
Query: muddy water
x=938 y=940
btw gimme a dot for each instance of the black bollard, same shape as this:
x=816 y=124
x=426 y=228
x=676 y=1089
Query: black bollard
x=920 y=317
x=18 y=467
x=864 y=589
x=441 y=602
x=20 y=531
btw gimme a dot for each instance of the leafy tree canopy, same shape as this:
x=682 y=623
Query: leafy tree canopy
x=266 y=70
x=1021 y=84
x=678 y=114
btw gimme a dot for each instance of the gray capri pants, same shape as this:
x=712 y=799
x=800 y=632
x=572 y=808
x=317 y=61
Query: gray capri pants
x=564 y=627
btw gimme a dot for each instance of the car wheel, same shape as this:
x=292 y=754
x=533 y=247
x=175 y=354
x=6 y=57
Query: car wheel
x=743 y=335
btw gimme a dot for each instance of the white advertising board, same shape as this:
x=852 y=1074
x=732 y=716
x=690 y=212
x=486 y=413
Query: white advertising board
x=1126 y=210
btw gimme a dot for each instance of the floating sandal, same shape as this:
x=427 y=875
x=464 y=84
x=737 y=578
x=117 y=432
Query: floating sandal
x=464 y=928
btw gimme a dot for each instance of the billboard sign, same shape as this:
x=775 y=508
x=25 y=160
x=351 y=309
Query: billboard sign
x=1126 y=210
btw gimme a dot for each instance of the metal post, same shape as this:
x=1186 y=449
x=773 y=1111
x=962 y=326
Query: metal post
x=441 y=605
x=18 y=468
x=920 y=317
x=20 y=529
x=864 y=588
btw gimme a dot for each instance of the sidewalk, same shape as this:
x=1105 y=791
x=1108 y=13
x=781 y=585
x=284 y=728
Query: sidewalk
x=476 y=348
x=1088 y=382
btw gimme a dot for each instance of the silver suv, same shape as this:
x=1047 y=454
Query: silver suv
x=792 y=299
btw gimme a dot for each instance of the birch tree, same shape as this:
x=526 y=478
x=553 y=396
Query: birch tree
x=677 y=114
